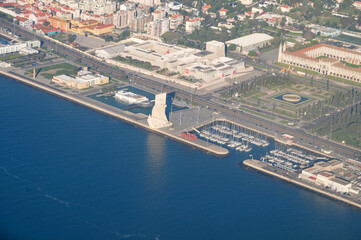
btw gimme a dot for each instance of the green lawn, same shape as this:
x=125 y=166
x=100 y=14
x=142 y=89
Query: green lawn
x=258 y=114
x=49 y=71
x=344 y=80
x=349 y=39
x=170 y=36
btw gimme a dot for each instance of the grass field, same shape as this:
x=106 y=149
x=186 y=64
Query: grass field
x=170 y=36
x=349 y=39
x=54 y=70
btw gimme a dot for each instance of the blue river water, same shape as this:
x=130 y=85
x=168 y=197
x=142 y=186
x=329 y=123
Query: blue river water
x=67 y=172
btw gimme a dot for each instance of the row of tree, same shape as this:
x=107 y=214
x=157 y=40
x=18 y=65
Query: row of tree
x=344 y=120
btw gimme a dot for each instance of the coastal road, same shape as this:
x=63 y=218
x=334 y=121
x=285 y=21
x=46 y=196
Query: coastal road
x=303 y=137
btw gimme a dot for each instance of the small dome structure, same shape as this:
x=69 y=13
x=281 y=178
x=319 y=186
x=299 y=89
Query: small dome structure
x=308 y=35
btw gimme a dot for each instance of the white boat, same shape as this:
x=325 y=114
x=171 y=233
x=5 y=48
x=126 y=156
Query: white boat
x=132 y=98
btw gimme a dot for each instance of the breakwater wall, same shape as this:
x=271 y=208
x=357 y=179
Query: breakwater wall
x=212 y=149
x=257 y=165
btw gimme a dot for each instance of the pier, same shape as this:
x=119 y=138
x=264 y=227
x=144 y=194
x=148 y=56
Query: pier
x=261 y=167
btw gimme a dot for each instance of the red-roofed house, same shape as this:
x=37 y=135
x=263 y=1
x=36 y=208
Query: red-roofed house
x=23 y=22
x=44 y=30
x=39 y=17
x=222 y=12
x=193 y=24
x=175 y=21
x=285 y=8
x=205 y=8
x=357 y=5
x=25 y=13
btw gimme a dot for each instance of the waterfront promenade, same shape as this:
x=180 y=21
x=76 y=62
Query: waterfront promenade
x=134 y=119
x=261 y=166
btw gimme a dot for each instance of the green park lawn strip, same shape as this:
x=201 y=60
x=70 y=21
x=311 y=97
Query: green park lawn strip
x=285 y=113
x=258 y=114
x=344 y=80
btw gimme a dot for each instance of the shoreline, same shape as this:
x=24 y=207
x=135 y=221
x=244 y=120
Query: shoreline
x=222 y=152
x=255 y=164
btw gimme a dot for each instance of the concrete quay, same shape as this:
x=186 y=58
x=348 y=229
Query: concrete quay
x=134 y=119
x=260 y=166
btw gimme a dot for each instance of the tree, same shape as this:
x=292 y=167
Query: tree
x=231 y=47
x=328 y=84
x=252 y=54
x=71 y=38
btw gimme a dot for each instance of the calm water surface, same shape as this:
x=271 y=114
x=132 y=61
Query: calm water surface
x=67 y=172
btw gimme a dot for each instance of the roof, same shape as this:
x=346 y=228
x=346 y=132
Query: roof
x=250 y=39
x=21 y=19
x=341 y=181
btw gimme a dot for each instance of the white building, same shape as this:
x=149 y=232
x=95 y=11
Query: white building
x=193 y=24
x=150 y=3
x=158 y=27
x=84 y=79
x=251 y=42
x=322 y=174
x=217 y=47
x=206 y=66
x=18 y=47
x=246 y=2
x=175 y=21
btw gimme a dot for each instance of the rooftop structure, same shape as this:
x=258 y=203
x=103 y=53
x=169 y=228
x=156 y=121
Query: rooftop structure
x=323 y=173
x=251 y=42
x=206 y=66
x=24 y=48
x=85 y=79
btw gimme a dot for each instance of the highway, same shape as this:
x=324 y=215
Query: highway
x=302 y=137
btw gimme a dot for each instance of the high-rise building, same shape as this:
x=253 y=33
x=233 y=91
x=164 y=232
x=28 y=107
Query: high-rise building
x=158 y=28
x=150 y=3
x=175 y=21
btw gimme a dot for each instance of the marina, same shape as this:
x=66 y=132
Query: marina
x=232 y=136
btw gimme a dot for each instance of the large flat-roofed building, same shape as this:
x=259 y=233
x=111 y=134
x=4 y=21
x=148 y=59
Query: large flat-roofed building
x=20 y=47
x=251 y=42
x=325 y=59
x=84 y=80
x=323 y=173
x=205 y=65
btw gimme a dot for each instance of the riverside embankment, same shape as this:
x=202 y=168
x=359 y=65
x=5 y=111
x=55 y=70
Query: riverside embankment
x=119 y=114
x=259 y=166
